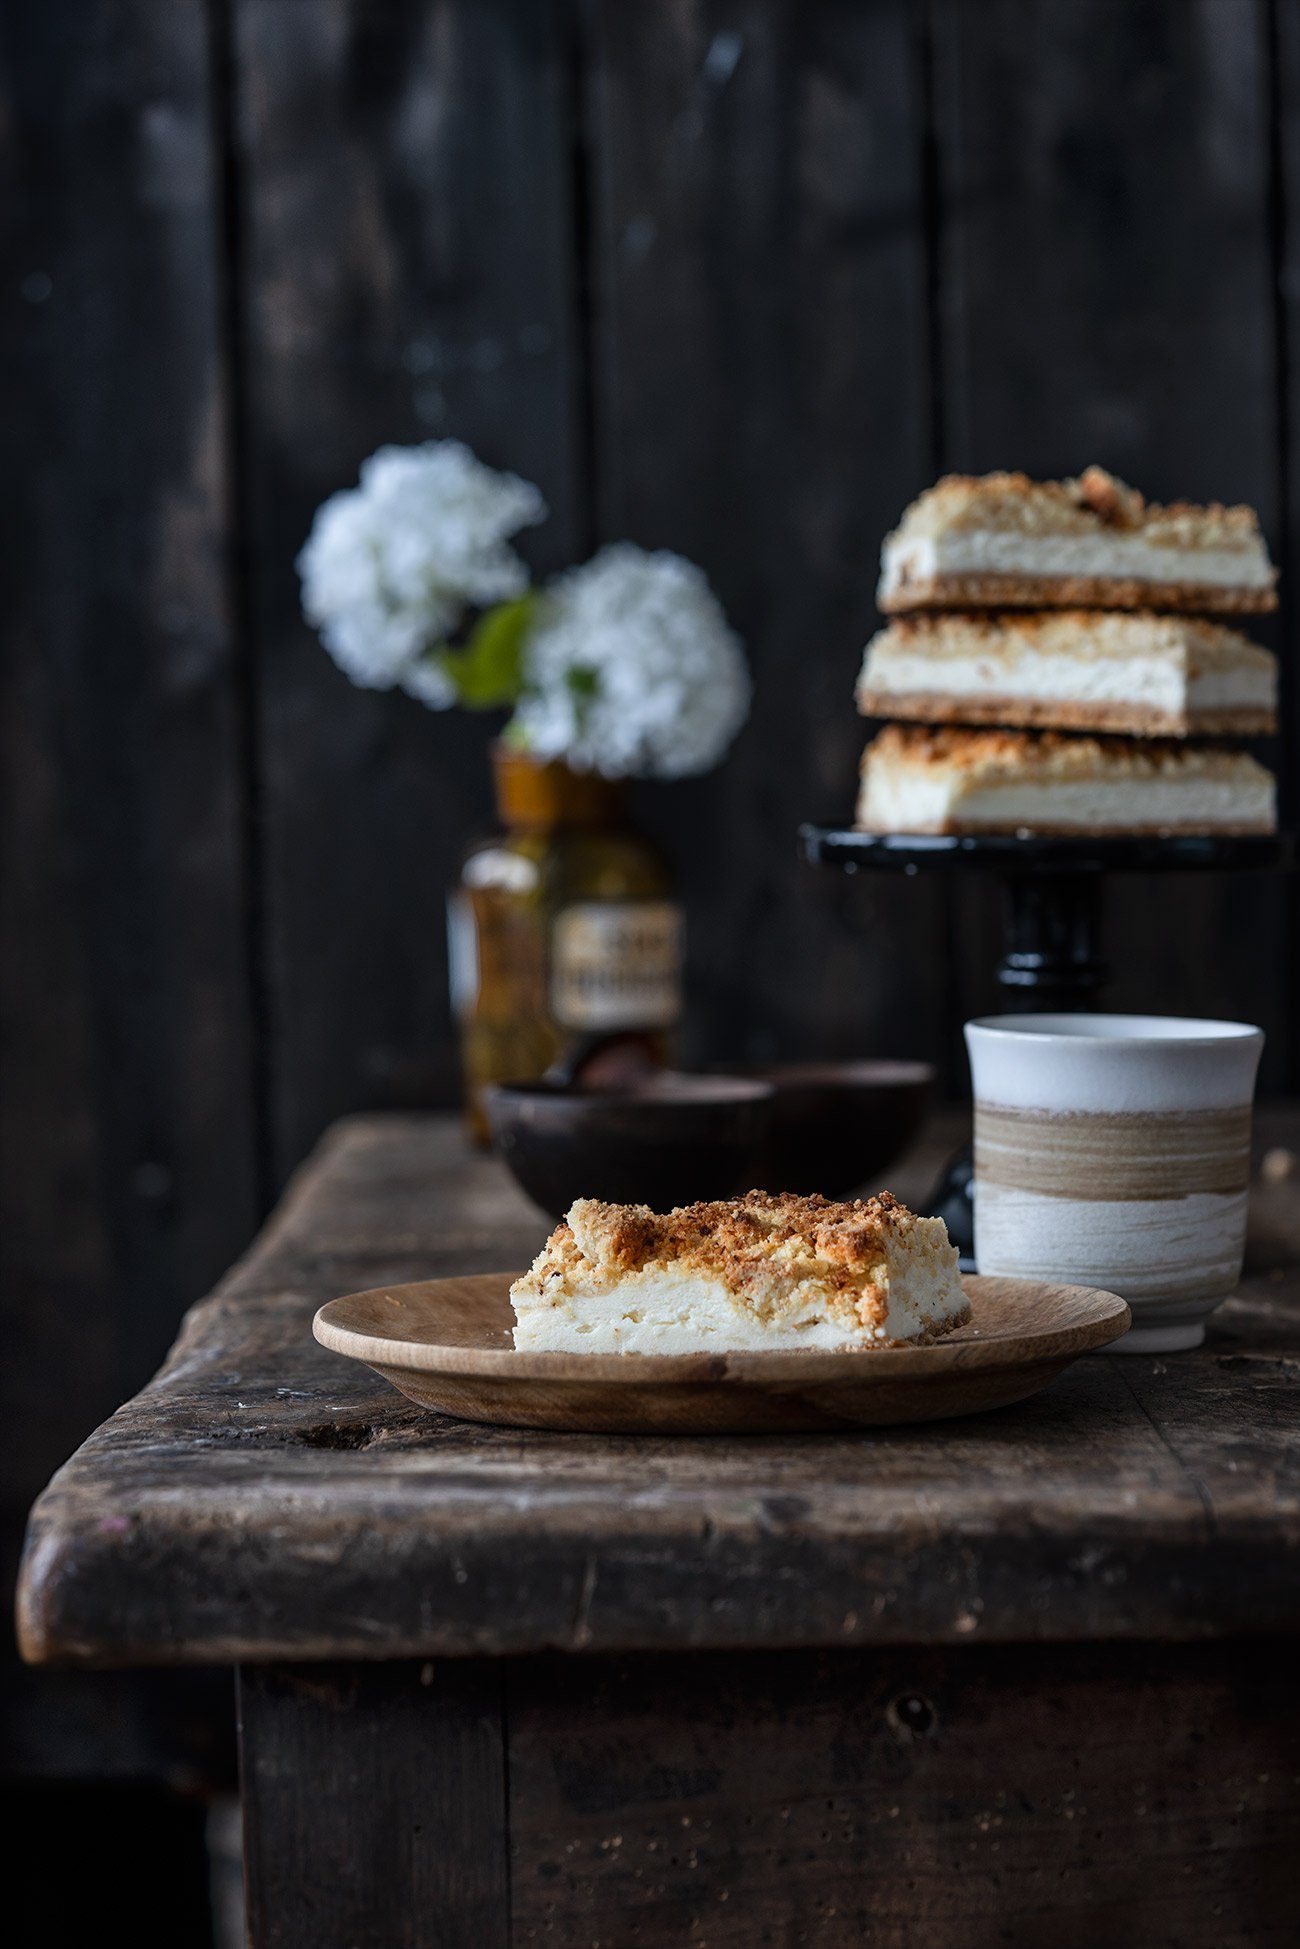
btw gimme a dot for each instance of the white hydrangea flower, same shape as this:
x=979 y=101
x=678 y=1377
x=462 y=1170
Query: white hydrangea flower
x=632 y=670
x=428 y=683
x=391 y=565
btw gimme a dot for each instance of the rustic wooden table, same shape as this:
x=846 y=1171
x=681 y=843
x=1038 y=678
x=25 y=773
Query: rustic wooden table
x=1020 y=1679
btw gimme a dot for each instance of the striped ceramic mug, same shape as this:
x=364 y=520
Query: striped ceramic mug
x=1114 y=1151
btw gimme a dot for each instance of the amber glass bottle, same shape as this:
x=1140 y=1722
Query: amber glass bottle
x=563 y=924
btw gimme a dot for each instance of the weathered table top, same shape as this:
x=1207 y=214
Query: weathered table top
x=264 y=1499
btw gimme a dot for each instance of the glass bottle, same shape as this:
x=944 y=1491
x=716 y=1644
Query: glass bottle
x=563 y=925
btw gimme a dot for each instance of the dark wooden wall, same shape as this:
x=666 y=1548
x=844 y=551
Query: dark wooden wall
x=736 y=278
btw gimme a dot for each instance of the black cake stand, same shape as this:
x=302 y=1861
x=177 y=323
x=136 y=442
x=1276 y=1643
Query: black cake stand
x=1052 y=890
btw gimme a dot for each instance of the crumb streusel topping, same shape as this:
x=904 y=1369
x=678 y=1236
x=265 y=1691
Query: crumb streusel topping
x=765 y=1248
x=1047 y=755
x=1012 y=502
x=1000 y=637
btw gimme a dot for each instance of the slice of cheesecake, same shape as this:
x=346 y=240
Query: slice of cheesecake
x=1134 y=672
x=954 y=781
x=1007 y=542
x=761 y=1273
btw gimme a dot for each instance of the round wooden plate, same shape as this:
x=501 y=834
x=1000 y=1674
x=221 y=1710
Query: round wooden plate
x=446 y=1344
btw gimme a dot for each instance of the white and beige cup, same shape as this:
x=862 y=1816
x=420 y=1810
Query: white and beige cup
x=1114 y=1151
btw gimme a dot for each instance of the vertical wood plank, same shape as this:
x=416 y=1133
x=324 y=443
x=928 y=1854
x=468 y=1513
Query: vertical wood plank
x=1106 y=287
x=407 y=210
x=1070 y=1794
x=761 y=404
x=127 y=1129
x=374 y=1806
x=1284 y=21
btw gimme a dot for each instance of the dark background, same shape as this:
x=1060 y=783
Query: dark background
x=738 y=279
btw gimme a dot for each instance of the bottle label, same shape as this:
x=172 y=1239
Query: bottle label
x=617 y=964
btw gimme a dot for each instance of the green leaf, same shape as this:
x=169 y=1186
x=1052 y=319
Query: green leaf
x=488 y=671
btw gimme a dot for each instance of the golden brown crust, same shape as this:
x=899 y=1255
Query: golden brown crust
x=1127 y=720
x=1047 y=755
x=729 y=1237
x=1096 y=499
x=768 y=1250
x=1048 y=760
x=993 y=667
x=978 y=590
x=1109 y=498
x=784 y=1260
x=1002 y=635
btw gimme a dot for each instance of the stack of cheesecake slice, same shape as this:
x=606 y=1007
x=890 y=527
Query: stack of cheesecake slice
x=1055 y=655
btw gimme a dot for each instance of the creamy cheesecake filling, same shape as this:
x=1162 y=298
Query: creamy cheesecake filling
x=893 y=799
x=1006 y=781
x=907 y=560
x=759 y=1274
x=1161 y=805
x=662 y=1314
x=1158 y=682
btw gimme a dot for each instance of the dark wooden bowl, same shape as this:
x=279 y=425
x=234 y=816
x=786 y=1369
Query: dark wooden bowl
x=665 y=1142
x=834 y=1126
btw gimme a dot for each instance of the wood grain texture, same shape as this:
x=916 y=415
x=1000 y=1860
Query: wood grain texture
x=265 y=1500
x=1285 y=210
x=127 y=675
x=910 y=1796
x=409 y=277
x=446 y=1344
x=374 y=1806
x=1104 y=295
x=128 y=1168
x=761 y=403
x=913 y=1797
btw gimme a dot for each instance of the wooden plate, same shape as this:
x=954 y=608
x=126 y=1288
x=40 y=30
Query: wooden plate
x=446 y=1344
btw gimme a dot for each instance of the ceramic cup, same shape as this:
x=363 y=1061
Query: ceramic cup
x=1114 y=1151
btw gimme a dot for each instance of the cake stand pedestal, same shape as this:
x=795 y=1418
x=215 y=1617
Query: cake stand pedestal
x=1053 y=888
